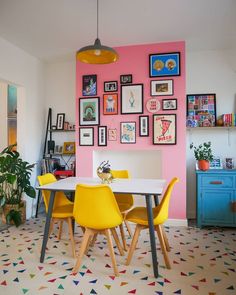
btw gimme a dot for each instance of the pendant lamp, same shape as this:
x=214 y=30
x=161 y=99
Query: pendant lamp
x=97 y=53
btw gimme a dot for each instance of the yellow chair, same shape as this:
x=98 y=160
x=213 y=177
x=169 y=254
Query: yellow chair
x=139 y=216
x=62 y=208
x=96 y=210
x=125 y=203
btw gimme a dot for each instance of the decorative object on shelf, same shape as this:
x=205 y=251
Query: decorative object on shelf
x=54 y=127
x=112 y=134
x=132 y=99
x=229 y=163
x=89 y=111
x=128 y=132
x=14 y=181
x=60 y=121
x=110 y=86
x=202 y=108
x=86 y=136
x=161 y=87
x=164 y=129
x=143 y=126
x=51 y=146
x=164 y=64
x=169 y=104
x=110 y=104
x=216 y=163
x=89 y=85
x=69 y=147
x=102 y=135
x=66 y=125
x=203 y=154
x=97 y=53
x=153 y=105
x=104 y=172
x=126 y=79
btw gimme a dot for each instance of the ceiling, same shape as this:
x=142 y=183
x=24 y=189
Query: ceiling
x=55 y=29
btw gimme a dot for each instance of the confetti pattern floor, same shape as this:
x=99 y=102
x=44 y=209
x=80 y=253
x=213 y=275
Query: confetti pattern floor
x=203 y=263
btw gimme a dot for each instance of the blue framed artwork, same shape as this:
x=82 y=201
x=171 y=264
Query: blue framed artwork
x=164 y=64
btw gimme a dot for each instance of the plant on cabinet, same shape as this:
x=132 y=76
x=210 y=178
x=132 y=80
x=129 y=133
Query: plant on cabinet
x=203 y=154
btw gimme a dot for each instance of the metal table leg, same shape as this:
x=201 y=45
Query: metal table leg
x=156 y=200
x=47 y=226
x=152 y=235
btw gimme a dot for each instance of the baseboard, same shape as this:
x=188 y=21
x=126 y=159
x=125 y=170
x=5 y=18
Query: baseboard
x=176 y=222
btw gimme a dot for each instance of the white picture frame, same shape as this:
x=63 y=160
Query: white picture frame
x=162 y=87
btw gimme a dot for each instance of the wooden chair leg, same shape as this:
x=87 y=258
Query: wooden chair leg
x=128 y=228
x=166 y=239
x=116 y=238
x=69 y=221
x=163 y=245
x=113 y=259
x=93 y=240
x=60 y=229
x=51 y=227
x=133 y=243
x=123 y=236
x=83 y=247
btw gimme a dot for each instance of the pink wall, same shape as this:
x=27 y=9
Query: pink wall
x=135 y=60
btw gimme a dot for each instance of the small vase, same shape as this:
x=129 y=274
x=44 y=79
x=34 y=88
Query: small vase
x=203 y=165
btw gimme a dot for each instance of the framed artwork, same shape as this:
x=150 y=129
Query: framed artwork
x=229 y=163
x=132 y=99
x=153 y=105
x=69 y=148
x=164 y=129
x=169 y=104
x=89 y=111
x=60 y=121
x=126 y=79
x=143 y=125
x=86 y=136
x=112 y=134
x=201 y=110
x=102 y=135
x=128 y=132
x=110 y=86
x=110 y=104
x=89 y=85
x=162 y=87
x=164 y=64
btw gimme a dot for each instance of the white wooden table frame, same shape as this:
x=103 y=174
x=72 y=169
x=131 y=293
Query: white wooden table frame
x=145 y=187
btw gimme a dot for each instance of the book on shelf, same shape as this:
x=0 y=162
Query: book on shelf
x=229 y=120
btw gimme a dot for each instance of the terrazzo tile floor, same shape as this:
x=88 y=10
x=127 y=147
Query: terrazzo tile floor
x=203 y=263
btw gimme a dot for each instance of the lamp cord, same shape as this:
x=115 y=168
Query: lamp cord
x=97 y=19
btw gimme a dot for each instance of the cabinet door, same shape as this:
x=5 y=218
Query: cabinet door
x=216 y=207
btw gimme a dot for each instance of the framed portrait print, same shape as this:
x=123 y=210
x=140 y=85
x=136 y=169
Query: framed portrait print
x=169 y=104
x=89 y=85
x=110 y=86
x=128 y=132
x=201 y=110
x=143 y=126
x=164 y=64
x=89 y=111
x=162 y=87
x=102 y=135
x=126 y=79
x=110 y=104
x=69 y=148
x=86 y=136
x=112 y=134
x=60 y=121
x=132 y=99
x=164 y=129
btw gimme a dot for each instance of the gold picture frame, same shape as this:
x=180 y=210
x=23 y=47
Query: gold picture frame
x=69 y=148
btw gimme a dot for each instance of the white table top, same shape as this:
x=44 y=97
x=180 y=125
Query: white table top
x=119 y=185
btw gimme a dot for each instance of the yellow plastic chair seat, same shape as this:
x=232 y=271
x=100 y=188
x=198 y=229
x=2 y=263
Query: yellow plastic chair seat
x=139 y=215
x=63 y=211
x=124 y=206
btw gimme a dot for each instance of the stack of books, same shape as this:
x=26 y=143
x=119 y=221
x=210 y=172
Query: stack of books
x=229 y=119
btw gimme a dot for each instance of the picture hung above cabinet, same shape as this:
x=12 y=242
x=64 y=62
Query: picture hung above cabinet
x=164 y=129
x=164 y=64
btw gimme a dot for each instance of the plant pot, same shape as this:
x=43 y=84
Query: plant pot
x=203 y=165
x=8 y=207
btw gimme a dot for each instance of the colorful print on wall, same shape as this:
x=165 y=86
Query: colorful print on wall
x=164 y=64
x=128 y=132
x=89 y=111
x=153 y=105
x=164 y=129
x=132 y=99
x=112 y=134
x=201 y=110
x=89 y=85
x=110 y=104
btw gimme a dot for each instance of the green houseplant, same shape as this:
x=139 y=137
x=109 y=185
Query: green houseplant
x=203 y=154
x=14 y=181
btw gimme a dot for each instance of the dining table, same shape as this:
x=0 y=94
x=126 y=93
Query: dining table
x=148 y=188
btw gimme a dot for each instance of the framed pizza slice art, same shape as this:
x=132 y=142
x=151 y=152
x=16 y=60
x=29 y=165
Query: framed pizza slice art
x=164 y=129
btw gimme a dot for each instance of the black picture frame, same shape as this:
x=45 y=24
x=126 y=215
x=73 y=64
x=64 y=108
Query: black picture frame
x=143 y=126
x=163 y=87
x=60 y=121
x=164 y=64
x=131 y=99
x=128 y=132
x=110 y=86
x=169 y=104
x=102 y=135
x=126 y=79
x=89 y=111
x=89 y=84
x=164 y=129
x=86 y=136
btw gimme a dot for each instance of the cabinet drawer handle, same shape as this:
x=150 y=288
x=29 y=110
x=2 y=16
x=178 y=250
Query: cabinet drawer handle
x=233 y=204
x=216 y=182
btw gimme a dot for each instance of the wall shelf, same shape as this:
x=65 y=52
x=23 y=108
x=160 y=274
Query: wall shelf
x=56 y=130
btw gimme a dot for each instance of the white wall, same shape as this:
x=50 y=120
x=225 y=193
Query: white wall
x=27 y=72
x=211 y=72
x=3 y=115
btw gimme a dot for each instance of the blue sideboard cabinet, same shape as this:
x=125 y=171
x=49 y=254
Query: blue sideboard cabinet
x=216 y=197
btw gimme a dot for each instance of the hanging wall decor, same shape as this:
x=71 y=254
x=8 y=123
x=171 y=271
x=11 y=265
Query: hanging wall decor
x=126 y=79
x=89 y=111
x=169 y=104
x=110 y=86
x=164 y=64
x=143 y=126
x=110 y=104
x=86 y=136
x=89 y=85
x=161 y=87
x=102 y=135
x=164 y=129
x=132 y=99
x=112 y=134
x=153 y=105
x=128 y=132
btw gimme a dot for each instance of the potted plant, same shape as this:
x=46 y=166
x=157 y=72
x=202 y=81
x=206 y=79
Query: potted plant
x=203 y=154
x=14 y=181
